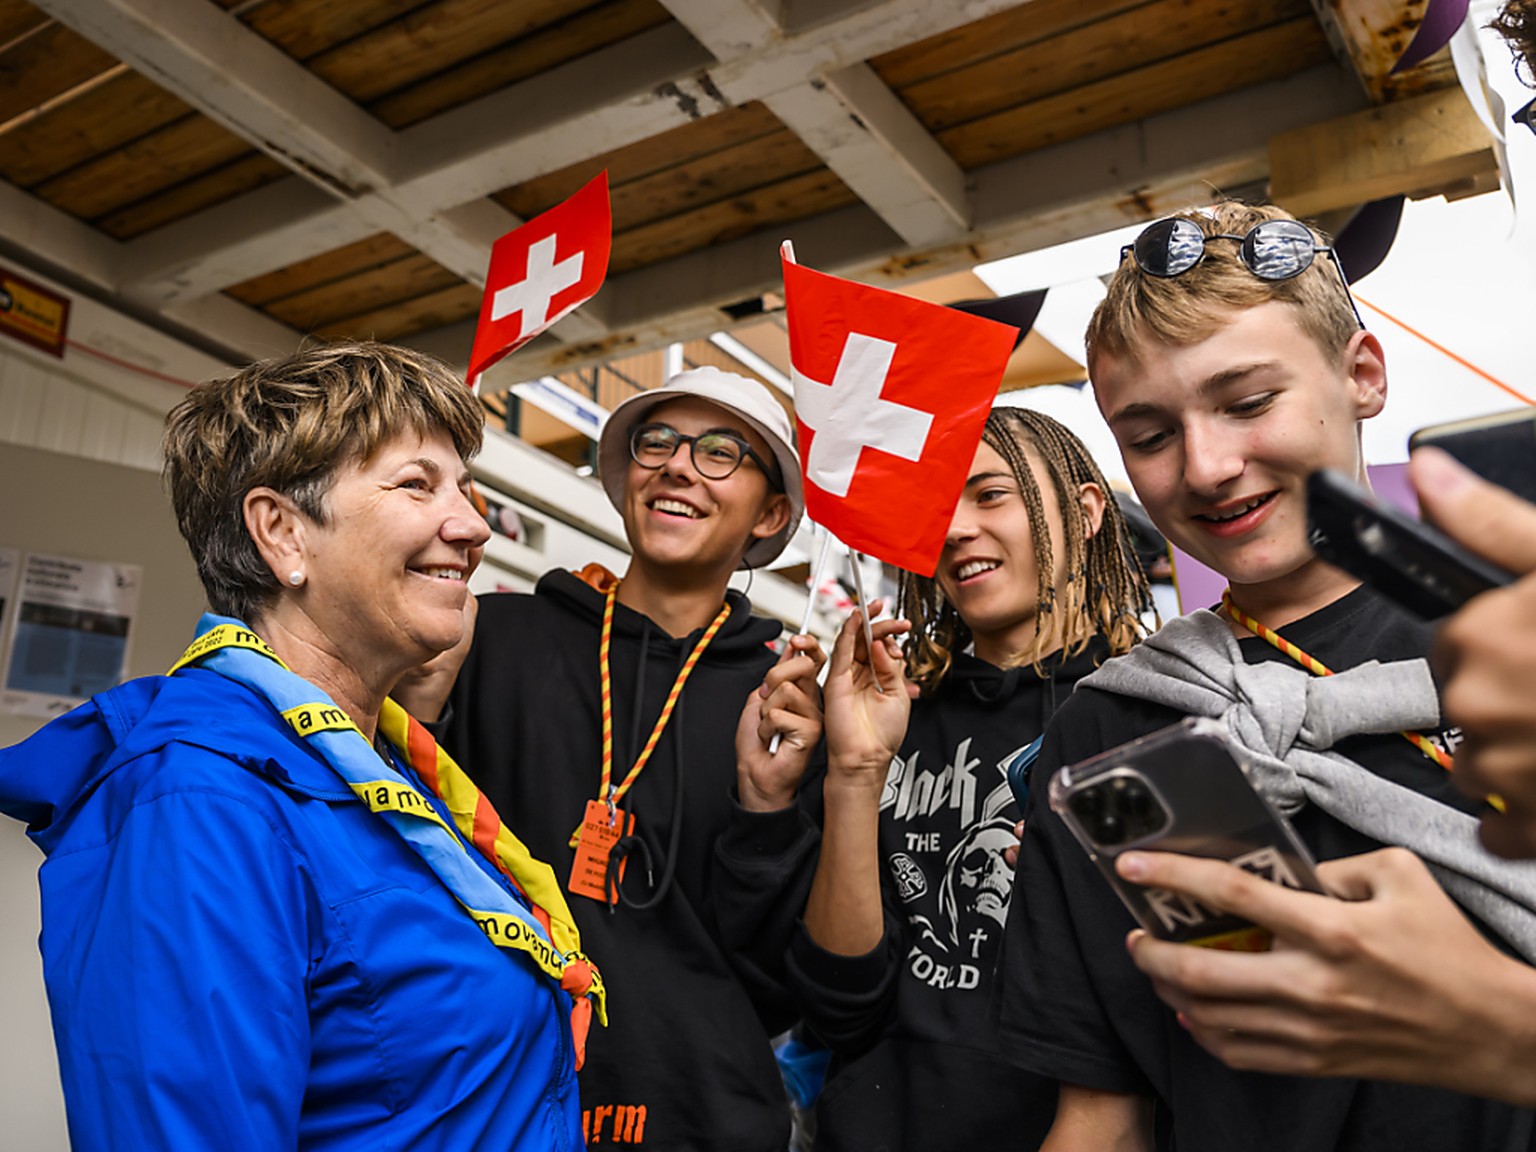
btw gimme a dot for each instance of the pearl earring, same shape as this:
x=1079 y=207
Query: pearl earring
x=295 y=578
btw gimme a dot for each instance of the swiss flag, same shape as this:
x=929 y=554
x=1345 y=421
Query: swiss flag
x=550 y=266
x=891 y=395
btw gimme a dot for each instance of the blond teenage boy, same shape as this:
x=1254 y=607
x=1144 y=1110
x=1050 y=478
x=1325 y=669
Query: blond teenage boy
x=1230 y=363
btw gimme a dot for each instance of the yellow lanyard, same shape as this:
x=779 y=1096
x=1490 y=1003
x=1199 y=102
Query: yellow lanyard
x=1423 y=743
x=604 y=645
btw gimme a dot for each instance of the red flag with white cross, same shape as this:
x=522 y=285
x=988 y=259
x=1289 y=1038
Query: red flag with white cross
x=542 y=271
x=891 y=395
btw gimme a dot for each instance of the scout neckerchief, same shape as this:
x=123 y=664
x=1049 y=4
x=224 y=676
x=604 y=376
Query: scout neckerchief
x=546 y=933
x=1423 y=743
x=601 y=826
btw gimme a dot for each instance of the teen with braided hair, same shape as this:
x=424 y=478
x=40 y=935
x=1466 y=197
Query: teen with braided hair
x=1036 y=586
x=1101 y=589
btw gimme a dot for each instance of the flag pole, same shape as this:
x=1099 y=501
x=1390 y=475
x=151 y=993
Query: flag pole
x=821 y=563
x=869 y=635
x=787 y=251
x=810 y=602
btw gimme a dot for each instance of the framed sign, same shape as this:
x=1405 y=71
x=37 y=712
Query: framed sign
x=32 y=314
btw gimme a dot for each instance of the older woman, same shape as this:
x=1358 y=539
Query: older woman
x=274 y=914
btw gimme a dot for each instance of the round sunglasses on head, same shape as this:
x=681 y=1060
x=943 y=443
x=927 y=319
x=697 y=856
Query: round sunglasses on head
x=1272 y=250
x=715 y=454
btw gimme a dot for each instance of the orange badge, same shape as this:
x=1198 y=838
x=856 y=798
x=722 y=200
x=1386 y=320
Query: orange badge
x=594 y=842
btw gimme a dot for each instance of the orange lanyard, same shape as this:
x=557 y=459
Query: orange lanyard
x=1423 y=743
x=607 y=792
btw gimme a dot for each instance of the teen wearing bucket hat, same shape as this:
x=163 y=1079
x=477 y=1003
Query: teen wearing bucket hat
x=751 y=406
x=657 y=691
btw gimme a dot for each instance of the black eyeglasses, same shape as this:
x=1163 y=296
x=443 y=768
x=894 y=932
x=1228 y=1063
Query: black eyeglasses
x=1271 y=250
x=715 y=454
x=1526 y=114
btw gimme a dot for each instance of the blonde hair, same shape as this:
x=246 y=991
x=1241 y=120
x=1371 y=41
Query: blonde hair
x=291 y=424
x=1185 y=309
x=1106 y=592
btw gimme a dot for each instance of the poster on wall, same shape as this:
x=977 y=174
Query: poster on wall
x=9 y=559
x=69 y=633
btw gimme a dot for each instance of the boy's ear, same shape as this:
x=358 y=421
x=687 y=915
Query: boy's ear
x=1092 y=498
x=773 y=517
x=1366 y=364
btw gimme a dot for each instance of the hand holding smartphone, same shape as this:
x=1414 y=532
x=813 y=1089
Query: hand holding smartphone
x=1420 y=568
x=1183 y=789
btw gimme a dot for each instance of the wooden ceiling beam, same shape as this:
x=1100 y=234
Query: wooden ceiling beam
x=877 y=147
x=852 y=121
x=1060 y=193
x=435 y=206
x=237 y=78
x=232 y=242
x=1421 y=146
x=856 y=35
x=608 y=99
x=1370 y=36
x=244 y=82
x=248 y=333
x=58 y=240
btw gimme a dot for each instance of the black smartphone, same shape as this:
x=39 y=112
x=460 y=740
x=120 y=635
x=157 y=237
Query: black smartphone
x=1423 y=570
x=1182 y=789
x=1500 y=448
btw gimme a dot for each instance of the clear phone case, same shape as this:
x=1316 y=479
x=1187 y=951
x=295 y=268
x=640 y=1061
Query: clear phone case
x=1183 y=789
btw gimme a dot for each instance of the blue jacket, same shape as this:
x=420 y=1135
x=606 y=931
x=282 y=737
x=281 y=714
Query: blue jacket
x=239 y=955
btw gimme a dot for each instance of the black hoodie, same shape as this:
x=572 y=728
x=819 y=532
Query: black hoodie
x=916 y=1063
x=685 y=1062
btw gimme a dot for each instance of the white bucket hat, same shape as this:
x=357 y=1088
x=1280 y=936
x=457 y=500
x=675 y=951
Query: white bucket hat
x=736 y=394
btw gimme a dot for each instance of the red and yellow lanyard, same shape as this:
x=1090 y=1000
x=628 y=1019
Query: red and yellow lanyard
x=1423 y=743
x=607 y=792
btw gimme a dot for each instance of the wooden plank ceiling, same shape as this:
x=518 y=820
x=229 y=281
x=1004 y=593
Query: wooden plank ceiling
x=250 y=172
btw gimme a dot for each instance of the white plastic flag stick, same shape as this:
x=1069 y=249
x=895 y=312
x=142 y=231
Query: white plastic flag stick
x=810 y=605
x=869 y=635
x=787 y=250
x=821 y=563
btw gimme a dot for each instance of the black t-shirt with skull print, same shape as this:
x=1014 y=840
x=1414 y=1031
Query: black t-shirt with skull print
x=915 y=1055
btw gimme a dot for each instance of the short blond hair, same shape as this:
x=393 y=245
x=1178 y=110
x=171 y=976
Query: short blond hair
x=291 y=424
x=1185 y=309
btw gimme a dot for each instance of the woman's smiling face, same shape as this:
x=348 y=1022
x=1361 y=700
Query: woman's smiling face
x=386 y=574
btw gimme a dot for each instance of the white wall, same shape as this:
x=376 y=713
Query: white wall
x=71 y=506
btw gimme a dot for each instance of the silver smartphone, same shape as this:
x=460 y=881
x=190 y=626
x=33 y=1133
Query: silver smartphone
x=1183 y=789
